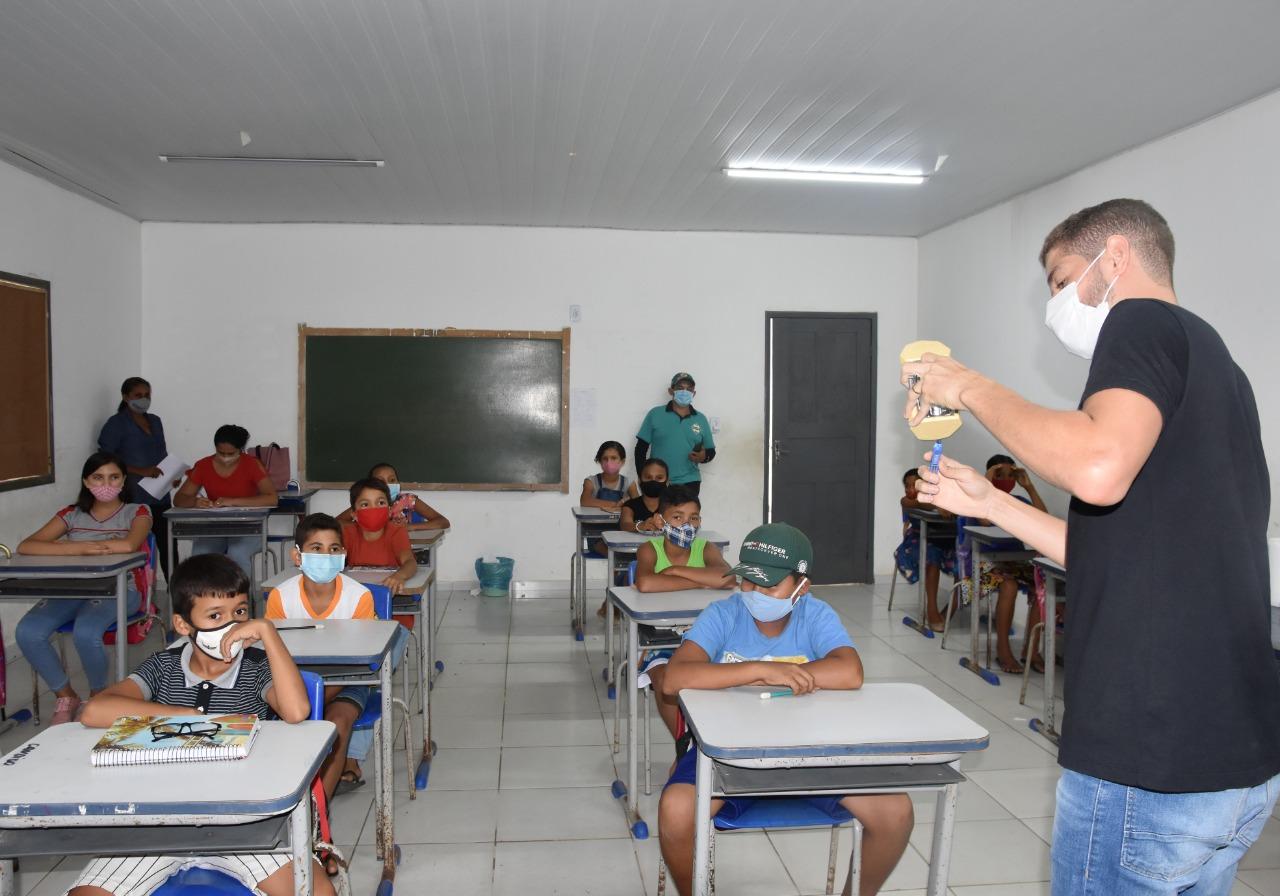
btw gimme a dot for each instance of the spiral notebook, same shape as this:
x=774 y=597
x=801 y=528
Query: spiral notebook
x=143 y=740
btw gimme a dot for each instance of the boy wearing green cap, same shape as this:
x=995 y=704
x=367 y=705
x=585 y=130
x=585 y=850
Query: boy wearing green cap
x=772 y=632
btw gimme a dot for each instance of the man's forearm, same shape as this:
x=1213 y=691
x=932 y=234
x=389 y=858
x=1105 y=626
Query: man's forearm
x=1055 y=444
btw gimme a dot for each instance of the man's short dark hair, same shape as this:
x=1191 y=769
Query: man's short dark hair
x=205 y=575
x=675 y=495
x=995 y=459
x=316 y=522
x=913 y=472
x=369 y=483
x=1085 y=233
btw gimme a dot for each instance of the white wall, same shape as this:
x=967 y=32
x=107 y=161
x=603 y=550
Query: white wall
x=222 y=304
x=91 y=257
x=982 y=290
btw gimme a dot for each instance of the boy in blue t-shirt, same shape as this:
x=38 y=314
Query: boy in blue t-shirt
x=771 y=632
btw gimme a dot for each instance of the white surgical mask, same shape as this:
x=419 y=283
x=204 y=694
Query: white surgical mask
x=210 y=640
x=1076 y=324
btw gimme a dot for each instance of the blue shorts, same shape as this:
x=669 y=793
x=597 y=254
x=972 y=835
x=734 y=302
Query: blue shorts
x=686 y=772
x=354 y=693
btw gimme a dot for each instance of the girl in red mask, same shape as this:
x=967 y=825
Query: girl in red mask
x=1009 y=578
x=373 y=540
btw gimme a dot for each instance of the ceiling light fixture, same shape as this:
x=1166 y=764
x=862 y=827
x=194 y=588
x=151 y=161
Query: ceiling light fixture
x=844 y=177
x=268 y=160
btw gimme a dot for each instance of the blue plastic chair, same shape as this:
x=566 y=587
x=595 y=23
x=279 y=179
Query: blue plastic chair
x=207 y=881
x=372 y=715
x=147 y=611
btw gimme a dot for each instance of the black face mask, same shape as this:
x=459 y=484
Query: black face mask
x=651 y=488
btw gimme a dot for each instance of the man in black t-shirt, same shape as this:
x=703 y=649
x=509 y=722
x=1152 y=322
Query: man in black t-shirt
x=1171 y=737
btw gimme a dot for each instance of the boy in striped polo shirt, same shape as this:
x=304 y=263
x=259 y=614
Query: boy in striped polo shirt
x=217 y=671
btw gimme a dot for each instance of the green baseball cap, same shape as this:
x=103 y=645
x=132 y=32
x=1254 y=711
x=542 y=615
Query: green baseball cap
x=682 y=377
x=772 y=552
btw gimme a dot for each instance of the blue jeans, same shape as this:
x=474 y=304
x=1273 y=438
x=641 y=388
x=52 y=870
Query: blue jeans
x=1109 y=839
x=92 y=615
x=239 y=548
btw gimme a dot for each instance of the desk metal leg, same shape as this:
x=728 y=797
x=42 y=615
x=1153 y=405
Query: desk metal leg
x=386 y=808
x=8 y=878
x=122 y=640
x=608 y=631
x=167 y=622
x=627 y=791
x=300 y=843
x=943 y=827
x=922 y=624
x=972 y=662
x=702 y=827
x=426 y=655
x=1048 y=726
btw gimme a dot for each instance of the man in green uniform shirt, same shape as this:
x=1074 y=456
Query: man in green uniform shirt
x=678 y=434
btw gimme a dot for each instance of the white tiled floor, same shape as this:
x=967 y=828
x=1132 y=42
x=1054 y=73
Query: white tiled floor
x=519 y=799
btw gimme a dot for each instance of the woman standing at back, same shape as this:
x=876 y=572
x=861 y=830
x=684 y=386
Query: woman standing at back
x=137 y=437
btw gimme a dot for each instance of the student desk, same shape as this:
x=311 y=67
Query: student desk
x=357 y=651
x=882 y=738
x=55 y=803
x=996 y=545
x=926 y=519
x=190 y=523
x=424 y=541
x=627 y=544
x=667 y=608
x=421 y=583
x=1055 y=577
x=587 y=521
x=27 y=577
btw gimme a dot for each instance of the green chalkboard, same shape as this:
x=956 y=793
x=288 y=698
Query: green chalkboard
x=451 y=409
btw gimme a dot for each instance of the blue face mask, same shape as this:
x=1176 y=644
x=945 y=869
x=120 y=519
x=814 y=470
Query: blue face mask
x=764 y=608
x=395 y=489
x=680 y=536
x=683 y=397
x=323 y=568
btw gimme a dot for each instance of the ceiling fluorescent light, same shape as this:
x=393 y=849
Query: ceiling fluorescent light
x=844 y=177
x=267 y=160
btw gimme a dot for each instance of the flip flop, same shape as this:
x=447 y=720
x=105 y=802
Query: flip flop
x=348 y=782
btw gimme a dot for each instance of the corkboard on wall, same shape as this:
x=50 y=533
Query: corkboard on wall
x=26 y=417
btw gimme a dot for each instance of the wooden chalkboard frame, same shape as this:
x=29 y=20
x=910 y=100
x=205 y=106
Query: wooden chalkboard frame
x=561 y=336
x=40 y=413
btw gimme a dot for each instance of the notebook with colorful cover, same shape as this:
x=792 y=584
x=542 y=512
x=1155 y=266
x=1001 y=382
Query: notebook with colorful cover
x=138 y=740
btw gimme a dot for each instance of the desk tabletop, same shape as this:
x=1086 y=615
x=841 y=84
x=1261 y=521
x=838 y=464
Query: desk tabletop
x=48 y=781
x=425 y=538
x=673 y=605
x=594 y=515
x=1050 y=567
x=92 y=565
x=369 y=575
x=903 y=721
x=218 y=514
x=628 y=542
x=929 y=516
x=990 y=534
x=338 y=642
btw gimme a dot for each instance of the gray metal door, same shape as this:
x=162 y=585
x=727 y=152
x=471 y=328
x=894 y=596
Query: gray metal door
x=820 y=436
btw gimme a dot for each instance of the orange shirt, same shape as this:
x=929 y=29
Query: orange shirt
x=382 y=551
x=242 y=483
x=351 y=600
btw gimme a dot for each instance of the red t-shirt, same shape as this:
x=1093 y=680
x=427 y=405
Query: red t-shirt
x=382 y=551
x=242 y=483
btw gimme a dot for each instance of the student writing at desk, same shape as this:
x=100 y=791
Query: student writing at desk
x=218 y=671
x=772 y=632
x=677 y=561
x=320 y=591
x=229 y=478
x=98 y=523
x=374 y=540
x=641 y=514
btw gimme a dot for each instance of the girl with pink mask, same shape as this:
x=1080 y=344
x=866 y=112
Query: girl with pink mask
x=609 y=489
x=100 y=522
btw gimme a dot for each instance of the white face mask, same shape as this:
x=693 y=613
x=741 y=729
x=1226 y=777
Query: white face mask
x=1076 y=324
x=210 y=640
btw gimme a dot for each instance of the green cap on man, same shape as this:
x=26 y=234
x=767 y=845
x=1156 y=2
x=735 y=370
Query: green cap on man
x=772 y=552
